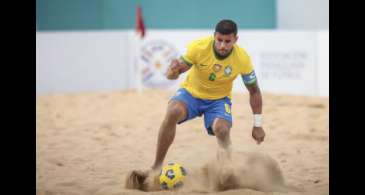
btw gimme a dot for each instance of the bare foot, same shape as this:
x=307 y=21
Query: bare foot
x=136 y=178
x=146 y=180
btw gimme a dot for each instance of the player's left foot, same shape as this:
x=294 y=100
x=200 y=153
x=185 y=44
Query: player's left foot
x=136 y=178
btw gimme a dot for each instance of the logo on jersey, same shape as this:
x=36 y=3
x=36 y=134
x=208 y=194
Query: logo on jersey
x=228 y=70
x=217 y=67
x=212 y=77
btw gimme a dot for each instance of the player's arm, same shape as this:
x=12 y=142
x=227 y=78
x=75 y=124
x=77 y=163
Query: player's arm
x=255 y=97
x=177 y=67
x=252 y=86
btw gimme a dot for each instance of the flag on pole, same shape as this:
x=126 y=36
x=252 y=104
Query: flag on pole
x=140 y=34
x=139 y=22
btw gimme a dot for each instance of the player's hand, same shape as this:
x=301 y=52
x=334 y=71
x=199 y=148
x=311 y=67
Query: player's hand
x=173 y=70
x=174 y=65
x=258 y=134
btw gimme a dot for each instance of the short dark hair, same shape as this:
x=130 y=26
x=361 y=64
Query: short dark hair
x=226 y=27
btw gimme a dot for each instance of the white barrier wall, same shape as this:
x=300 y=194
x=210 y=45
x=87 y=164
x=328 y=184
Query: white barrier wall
x=323 y=63
x=302 y=14
x=81 y=61
x=291 y=62
x=285 y=61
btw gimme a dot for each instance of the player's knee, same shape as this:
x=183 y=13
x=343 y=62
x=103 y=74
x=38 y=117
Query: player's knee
x=174 y=112
x=221 y=130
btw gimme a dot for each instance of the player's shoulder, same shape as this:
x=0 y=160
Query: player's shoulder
x=241 y=53
x=243 y=59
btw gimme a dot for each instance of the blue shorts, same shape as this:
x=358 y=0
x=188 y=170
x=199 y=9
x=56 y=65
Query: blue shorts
x=211 y=109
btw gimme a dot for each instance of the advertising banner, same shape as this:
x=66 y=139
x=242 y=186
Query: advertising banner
x=285 y=62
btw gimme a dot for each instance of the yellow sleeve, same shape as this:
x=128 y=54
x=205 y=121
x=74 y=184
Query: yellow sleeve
x=246 y=67
x=247 y=71
x=189 y=57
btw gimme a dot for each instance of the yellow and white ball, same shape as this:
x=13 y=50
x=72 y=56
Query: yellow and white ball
x=172 y=176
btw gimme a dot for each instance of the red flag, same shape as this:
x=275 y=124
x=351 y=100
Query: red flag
x=139 y=22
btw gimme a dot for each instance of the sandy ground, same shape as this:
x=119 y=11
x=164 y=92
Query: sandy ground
x=88 y=142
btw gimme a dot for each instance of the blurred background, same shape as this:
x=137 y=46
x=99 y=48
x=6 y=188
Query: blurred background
x=117 y=45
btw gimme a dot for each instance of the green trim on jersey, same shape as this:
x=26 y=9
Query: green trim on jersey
x=186 y=62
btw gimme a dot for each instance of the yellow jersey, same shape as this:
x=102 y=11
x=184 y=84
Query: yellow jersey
x=210 y=77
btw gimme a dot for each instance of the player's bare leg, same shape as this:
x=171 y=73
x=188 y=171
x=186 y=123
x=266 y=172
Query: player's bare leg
x=221 y=129
x=141 y=179
x=176 y=111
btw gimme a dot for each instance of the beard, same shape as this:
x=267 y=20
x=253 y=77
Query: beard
x=222 y=54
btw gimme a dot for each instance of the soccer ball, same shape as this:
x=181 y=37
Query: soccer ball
x=172 y=176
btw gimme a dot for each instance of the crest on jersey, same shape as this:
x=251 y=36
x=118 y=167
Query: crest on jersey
x=228 y=70
x=212 y=77
x=217 y=67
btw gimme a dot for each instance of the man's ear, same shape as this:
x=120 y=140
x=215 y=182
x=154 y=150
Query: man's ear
x=236 y=39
